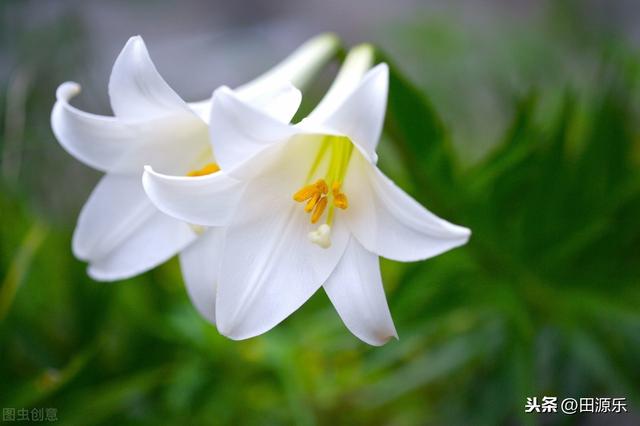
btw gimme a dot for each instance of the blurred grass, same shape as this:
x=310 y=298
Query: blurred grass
x=545 y=300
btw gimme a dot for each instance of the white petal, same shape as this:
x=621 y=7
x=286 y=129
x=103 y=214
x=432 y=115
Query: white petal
x=116 y=205
x=200 y=264
x=279 y=100
x=204 y=200
x=122 y=234
x=298 y=69
x=355 y=289
x=355 y=65
x=202 y=109
x=239 y=130
x=154 y=242
x=361 y=115
x=136 y=89
x=270 y=267
x=390 y=223
x=97 y=141
x=300 y=66
x=111 y=145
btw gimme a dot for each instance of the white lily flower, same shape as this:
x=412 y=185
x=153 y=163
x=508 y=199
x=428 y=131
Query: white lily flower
x=119 y=232
x=277 y=252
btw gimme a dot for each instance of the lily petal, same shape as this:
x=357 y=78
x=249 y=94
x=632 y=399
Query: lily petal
x=300 y=66
x=200 y=264
x=122 y=234
x=239 y=130
x=361 y=114
x=208 y=200
x=269 y=267
x=136 y=89
x=202 y=109
x=116 y=206
x=357 y=62
x=110 y=145
x=355 y=289
x=154 y=242
x=391 y=224
x=280 y=100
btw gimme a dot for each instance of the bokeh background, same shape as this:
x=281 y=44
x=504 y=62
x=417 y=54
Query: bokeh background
x=519 y=119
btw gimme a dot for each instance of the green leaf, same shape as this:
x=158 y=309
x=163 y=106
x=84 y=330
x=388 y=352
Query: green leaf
x=20 y=266
x=419 y=135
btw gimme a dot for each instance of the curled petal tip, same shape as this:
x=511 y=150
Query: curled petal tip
x=227 y=330
x=363 y=48
x=137 y=39
x=329 y=37
x=382 y=68
x=68 y=90
x=328 y=42
x=98 y=275
x=380 y=338
x=133 y=45
x=325 y=35
x=387 y=335
x=380 y=73
x=222 y=90
x=464 y=233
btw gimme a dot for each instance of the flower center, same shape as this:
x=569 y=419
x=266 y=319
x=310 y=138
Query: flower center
x=316 y=195
x=208 y=169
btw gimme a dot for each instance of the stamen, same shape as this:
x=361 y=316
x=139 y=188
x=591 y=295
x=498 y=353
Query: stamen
x=206 y=170
x=305 y=193
x=308 y=191
x=316 y=195
x=312 y=202
x=322 y=186
x=319 y=209
x=340 y=201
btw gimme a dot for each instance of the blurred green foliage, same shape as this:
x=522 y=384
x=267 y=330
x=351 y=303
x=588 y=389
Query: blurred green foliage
x=544 y=300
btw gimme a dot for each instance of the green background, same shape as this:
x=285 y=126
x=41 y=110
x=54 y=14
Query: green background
x=528 y=133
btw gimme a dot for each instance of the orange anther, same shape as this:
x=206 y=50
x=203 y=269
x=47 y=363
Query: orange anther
x=322 y=186
x=341 y=201
x=305 y=193
x=319 y=209
x=312 y=202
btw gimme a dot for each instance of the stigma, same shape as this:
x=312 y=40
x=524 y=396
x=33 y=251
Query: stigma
x=321 y=236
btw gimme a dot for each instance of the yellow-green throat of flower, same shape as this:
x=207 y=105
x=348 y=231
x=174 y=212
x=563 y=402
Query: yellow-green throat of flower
x=207 y=169
x=325 y=194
